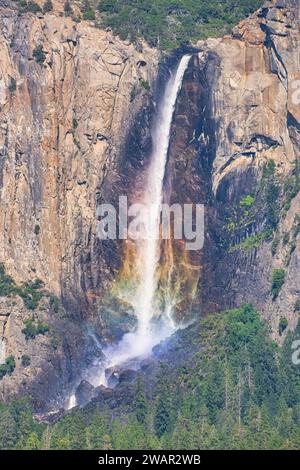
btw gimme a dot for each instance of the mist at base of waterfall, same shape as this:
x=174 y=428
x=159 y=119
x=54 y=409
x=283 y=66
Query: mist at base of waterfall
x=153 y=324
x=128 y=354
x=133 y=349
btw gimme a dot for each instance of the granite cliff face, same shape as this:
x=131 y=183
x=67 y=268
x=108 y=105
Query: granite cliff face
x=75 y=120
x=254 y=210
x=235 y=148
x=68 y=96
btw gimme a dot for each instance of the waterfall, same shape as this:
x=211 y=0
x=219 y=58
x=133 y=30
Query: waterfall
x=148 y=250
x=150 y=332
x=154 y=323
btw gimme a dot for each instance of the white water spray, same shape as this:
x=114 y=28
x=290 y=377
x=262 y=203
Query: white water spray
x=148 y=332
x=71 y=402
x=153 y=325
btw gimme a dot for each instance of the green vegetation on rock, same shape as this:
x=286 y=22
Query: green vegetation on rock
x=247 y=201
x=169 y=24
x=145 y=85
x=12 y=85
x=283 y=324
x=286 y=238
x=87 y=10
x=8 y=367
x=277 y=281
x=33 y=328
x=39 y=54
x=253 y=241
x=25 y=360
x=31 y=292
x=29 y=6
x=162 y=23
x=292 y=186
x=275 y=244
x=272 y=192
x=264 y=206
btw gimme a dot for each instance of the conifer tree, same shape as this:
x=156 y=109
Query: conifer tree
x=162 y=419
x=96 y=431
x=140 y=402
x=33 y=442
x=8 y=432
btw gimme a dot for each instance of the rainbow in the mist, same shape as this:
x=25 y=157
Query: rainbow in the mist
x=153 y=325
x=153 y=314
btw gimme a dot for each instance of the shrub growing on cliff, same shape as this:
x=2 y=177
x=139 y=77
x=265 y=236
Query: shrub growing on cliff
x=89 y=15
x=274 y=246
x=7 y=285
x=29 y=6
x=277 y=281
x=30 y=292
x=29 y=331
x=39 y=54
x=30 y=295
x=272 y=196
x=33 y=7
x=36 y=284
x=2 y=371
x=87 y=11
x=286 y=238
x=283 y=324
x=48 y=6
x=247 y=202
x=25 y=360
x=291 y=187
x=12 y=85
x=134 y=92
x=32 y=328
x=8 y=367
x=253 y=241
x=145 y=85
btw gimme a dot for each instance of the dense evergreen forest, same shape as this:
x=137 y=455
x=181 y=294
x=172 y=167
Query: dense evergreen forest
x=238 y=390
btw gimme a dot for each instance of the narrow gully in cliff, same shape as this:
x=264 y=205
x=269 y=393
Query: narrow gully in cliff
x=154 y=316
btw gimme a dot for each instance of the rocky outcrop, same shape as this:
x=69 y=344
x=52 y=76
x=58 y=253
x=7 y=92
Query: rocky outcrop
x=253 y=215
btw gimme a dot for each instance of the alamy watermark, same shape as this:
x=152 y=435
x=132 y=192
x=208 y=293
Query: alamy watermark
x=152 y=222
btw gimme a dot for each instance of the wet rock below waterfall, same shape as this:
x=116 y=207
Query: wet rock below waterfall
x=85 y=392
x=127 y=376
x=113 y=379
x=115 y=376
